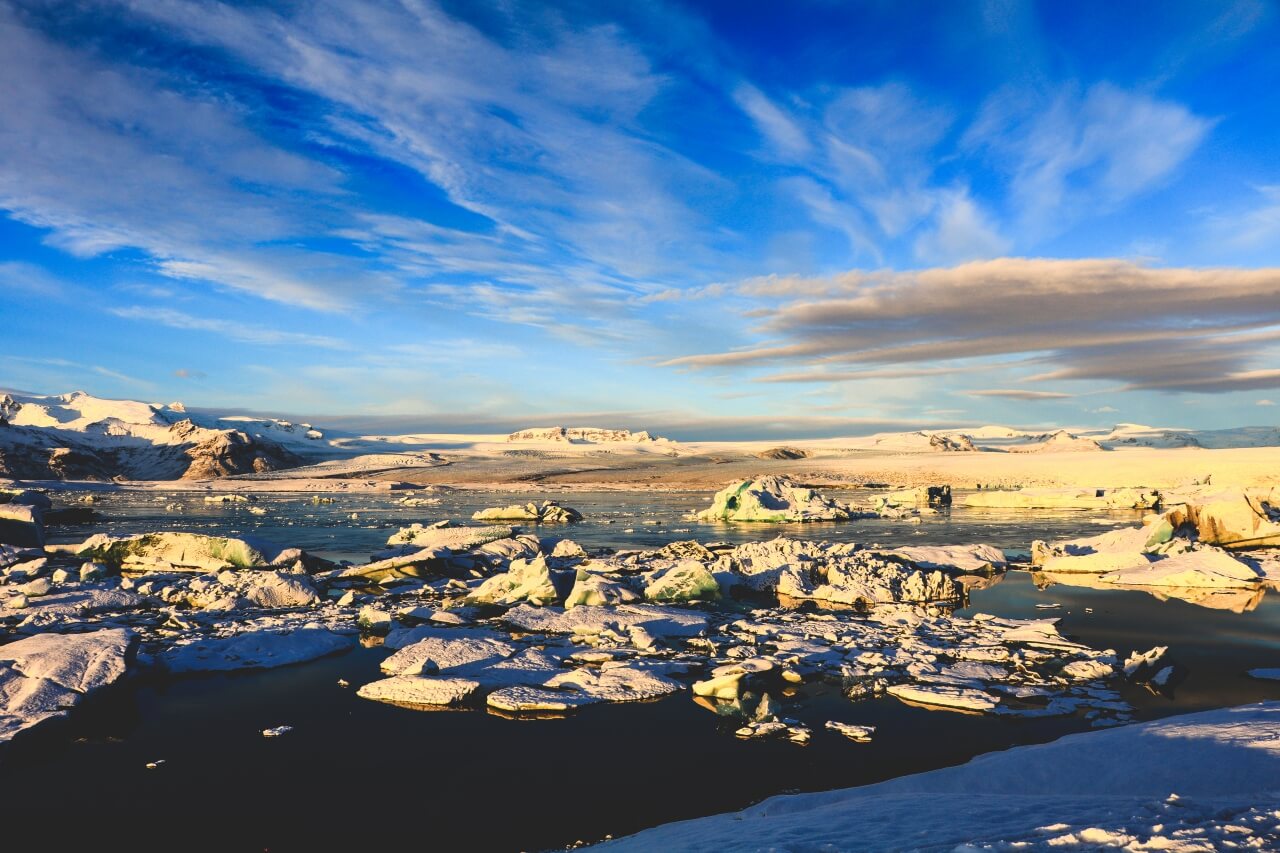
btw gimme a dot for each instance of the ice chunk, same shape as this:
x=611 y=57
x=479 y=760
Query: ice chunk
x=185 y=551
x=596 y=590
x=1139 y=663
x=547 y=512
x=859 y=734
x=688 y=581
x=526 y=580
x=774 y=499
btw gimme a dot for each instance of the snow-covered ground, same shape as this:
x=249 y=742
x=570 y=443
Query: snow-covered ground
x=1207 y=781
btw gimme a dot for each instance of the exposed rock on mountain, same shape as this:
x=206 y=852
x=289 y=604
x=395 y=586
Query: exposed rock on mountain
x=951 y=443
x=587 y=435
x=783 y=453
x=80 y=437
x=1058 y=442
x=234 y=452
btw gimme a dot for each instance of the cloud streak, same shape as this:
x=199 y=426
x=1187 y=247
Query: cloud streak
x=228 y=329
x=1018 y=394
x=1104 y=319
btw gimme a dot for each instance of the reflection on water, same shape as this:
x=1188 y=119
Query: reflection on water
x=354 y=771
x=1233 y=600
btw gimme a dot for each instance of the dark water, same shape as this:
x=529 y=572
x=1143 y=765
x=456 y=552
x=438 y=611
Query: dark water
x=356 y=774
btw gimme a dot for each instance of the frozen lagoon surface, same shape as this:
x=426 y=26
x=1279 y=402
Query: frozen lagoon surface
x=355 y=771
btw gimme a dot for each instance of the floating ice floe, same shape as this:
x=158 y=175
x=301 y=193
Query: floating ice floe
x=1164 y=557
x=546 y=512
x=185 y=552
x=519 y=699
x=1233 y=518
x=261 y=649
x=855 y=733
x=1065 y=499
x=21 y=524
x=944 y=696
x=418 y=690
x=597 y=590
x=44 y=676
x=775 y=499
x=453 y=538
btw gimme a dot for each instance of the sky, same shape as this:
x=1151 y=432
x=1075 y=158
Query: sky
x=718 y=219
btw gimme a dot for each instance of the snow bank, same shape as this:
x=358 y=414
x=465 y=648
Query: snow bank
x=1097 y=787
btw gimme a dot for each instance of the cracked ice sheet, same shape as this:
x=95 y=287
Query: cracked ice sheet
x=949 y=663
x=587 y=621
x=519 y=699
x=618 y=683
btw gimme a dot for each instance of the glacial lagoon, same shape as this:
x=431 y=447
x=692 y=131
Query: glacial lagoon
x=364 y=772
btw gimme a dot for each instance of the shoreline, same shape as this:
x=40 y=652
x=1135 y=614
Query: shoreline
x=703 y=470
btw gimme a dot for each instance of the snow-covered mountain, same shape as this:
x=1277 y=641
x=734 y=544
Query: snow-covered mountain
x=79 y=436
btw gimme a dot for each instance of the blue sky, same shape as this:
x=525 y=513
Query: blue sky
x=737 y=219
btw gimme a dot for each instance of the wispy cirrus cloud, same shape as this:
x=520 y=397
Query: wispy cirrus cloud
x=109 y=155
x=1068 y=153
x=228 y=329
